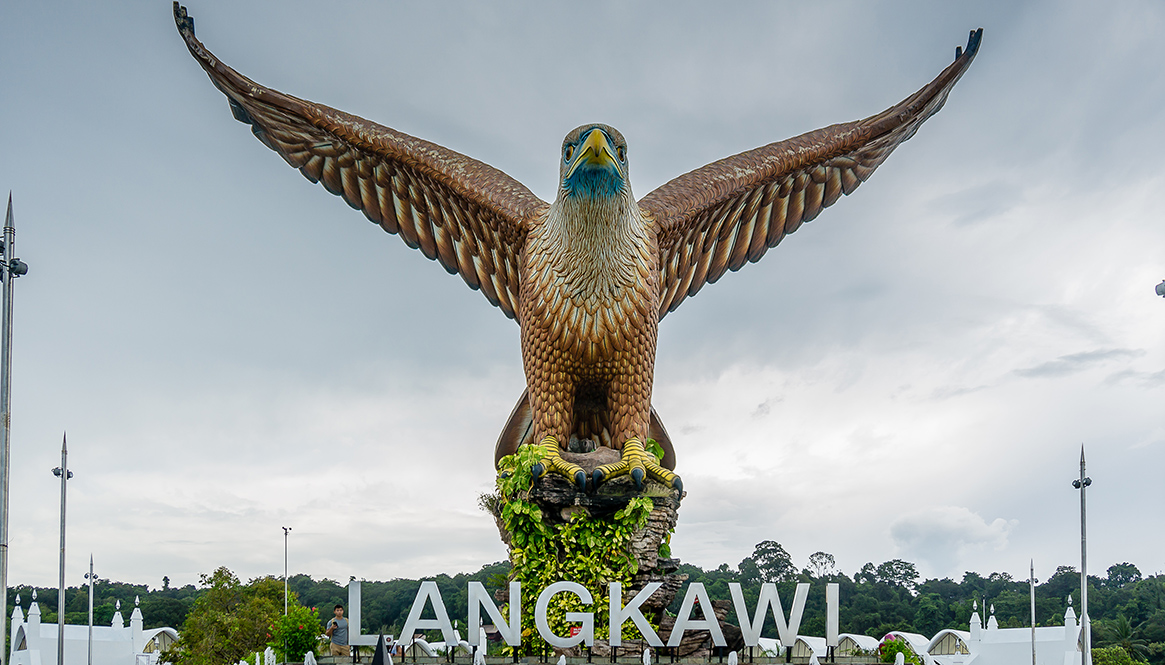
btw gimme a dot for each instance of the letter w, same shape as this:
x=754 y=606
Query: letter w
x=769 y=598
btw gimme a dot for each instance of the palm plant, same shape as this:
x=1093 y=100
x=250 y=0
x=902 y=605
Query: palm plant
x=1120 y=632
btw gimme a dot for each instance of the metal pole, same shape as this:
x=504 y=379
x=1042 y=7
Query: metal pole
x=286 y=530
x=1032 y=587
x=64 y=474
x=1082 y=484
x=6 y=252
x=90 y=578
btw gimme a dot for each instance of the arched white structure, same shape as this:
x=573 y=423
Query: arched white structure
x=917 y=644
x=33 y=642
x=158 y=639
x=770 y=646
x=807 y=646
x=852 y=644
x=949 y=643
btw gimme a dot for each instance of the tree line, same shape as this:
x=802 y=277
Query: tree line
x=1127 y=609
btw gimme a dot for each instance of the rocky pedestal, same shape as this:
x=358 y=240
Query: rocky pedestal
x=559 y=501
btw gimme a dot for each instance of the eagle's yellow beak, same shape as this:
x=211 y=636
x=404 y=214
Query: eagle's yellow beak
x=595 y=151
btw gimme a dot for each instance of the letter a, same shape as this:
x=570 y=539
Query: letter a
x=428 y=592
x=685 y=622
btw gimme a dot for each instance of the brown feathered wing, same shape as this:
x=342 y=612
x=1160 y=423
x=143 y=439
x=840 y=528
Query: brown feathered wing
x=716 y=218
x=466 y=215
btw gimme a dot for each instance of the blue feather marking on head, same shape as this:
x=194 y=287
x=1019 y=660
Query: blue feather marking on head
x=589 y=182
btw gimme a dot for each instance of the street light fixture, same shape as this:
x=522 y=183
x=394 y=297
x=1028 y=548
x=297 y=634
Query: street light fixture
x=64 y=474
x=286 y=530
x=1161 y=289
x=1082 y=484
x=89 y=576
x=10 y=268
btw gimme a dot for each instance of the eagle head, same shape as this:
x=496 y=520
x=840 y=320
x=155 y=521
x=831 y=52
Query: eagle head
x=594 y=163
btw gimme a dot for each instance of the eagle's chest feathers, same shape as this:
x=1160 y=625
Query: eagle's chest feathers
x=591 y=276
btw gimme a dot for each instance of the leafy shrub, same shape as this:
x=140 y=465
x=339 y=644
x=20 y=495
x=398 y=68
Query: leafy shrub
x=299 y=631
x=893 y=646
x=592 y=551
x=1114 y=655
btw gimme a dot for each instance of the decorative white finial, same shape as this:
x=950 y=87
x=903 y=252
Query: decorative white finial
x=117 y=605
x=992 y=609
x=975 y=605
x=34 y=595
x=136 y=601
x=1069 y=600
x=17 y=599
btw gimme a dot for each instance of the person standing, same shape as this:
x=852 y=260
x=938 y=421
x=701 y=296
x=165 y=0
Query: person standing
x=337 y=632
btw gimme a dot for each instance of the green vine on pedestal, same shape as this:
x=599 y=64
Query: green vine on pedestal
x=588 y=549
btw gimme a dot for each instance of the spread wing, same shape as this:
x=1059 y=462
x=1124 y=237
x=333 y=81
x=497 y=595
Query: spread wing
x=717 y=217
x=466 y=215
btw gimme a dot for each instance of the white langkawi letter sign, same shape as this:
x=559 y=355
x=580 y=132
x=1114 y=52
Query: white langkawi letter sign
x=511 y=631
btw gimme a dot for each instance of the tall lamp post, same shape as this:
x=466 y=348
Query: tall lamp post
x=64 y=474
x=286 y=530
x=10 y=268
x=1082 y=484
x=89 y=576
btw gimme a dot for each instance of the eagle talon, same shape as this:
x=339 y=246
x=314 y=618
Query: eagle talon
x=639 y=464
x=552 y=462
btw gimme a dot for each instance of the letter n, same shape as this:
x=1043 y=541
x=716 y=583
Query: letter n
x=479 y=598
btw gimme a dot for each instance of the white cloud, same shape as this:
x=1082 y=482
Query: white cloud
x=942 y=538
x=232 y=349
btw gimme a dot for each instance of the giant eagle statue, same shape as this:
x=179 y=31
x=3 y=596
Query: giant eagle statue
x=589 y=276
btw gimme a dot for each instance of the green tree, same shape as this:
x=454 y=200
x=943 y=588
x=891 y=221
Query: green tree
x=897 y=572
x=929 y=618
x=772 y=562
x=821 y=564
x=867 y=575
x=229 y=621
x=1120 y=574
x=749 y=573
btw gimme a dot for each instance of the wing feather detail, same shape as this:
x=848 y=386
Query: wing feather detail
x=730 y=212
x=468 y=216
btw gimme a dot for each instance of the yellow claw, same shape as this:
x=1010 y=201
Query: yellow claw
x=639 y=464
x=553 y=462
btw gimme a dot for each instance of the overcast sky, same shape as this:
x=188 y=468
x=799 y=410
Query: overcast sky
x=232 y=349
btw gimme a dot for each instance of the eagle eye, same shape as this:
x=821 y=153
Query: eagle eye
x=622 y=152
x=567 y=153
